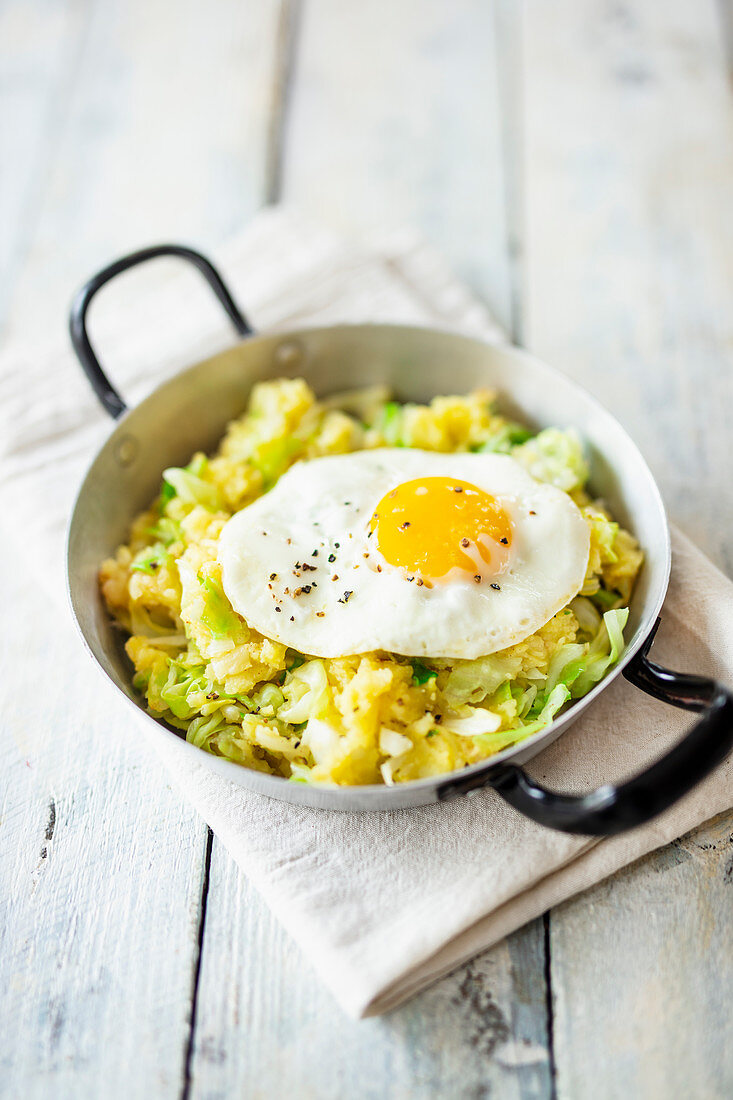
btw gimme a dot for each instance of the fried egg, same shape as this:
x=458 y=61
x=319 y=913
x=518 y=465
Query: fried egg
x=412 y=552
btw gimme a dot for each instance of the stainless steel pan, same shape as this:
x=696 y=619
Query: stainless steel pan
x=191 y=411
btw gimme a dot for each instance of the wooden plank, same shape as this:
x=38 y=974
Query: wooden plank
x=100 y=871
x=642 y=967
x=629 y=154
x=266 y=1027
x=165 y=135
x=39 y=45
x=395 y=120
x=136 y=125
x=726 y=20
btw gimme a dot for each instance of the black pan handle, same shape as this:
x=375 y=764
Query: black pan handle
x=610 y=809
x=105 y=391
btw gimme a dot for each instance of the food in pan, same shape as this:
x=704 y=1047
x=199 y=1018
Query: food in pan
x=461 y=555
x=358 y=591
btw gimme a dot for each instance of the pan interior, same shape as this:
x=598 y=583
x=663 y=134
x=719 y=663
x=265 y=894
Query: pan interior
x=190 y=412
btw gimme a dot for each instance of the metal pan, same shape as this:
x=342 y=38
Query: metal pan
x=191 y=411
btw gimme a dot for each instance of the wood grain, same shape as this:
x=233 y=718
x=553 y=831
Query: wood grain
x=658 y=939
x=265 y=1026
x=486 y=1026
x=395 y=119
x=100 y=875
x=164 y=133
x=574 y=162
x=629 y=228
x=40 y=47
x=629 y=275
x=133 y=123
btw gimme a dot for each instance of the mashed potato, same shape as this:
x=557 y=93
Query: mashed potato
x=372 y=718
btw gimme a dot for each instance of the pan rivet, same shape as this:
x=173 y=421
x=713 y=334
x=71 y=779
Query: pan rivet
x=289 y=354
x=126 y=450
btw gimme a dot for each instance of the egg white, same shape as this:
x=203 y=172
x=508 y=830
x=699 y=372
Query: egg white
x=312 y=528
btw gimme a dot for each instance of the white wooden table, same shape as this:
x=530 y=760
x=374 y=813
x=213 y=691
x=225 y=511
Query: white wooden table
x=574 y=161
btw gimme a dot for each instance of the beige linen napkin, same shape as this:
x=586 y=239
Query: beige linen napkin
x=381 y=903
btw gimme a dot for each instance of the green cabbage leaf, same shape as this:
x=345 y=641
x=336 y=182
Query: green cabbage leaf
x=555 y=457
x=190 y=487
x=305 y=693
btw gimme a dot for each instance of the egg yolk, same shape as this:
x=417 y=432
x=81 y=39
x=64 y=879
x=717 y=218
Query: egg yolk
x=433 y=525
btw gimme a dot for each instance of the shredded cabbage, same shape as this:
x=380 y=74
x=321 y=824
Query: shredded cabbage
x=217 y=614
x=557 y=698
x=605 y=599
x=267 y=699
x=300 y=773
x=604 y=651
x=497 y=741
x=587 y=615
x=305 y=692
x=184 y=690
x=573 y=670
x=201 y=731
x=577 y=667
x=421 y=673
x=473 y=681
x=503 y=441
x=566 y=665
x=370 y=717
x=150 y=559
x=390 y=422
x=191 y=488
x=556 y=457
x=273 y=456
x=166 y=531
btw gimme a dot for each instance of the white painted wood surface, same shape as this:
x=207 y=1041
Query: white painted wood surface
x=266 y=1028
x=394 y=118
x=574 y=163
x=149 y=121
x=101 y=871
x=629 y=275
